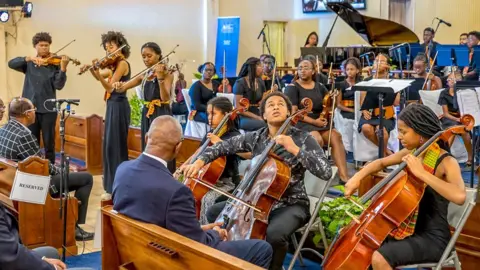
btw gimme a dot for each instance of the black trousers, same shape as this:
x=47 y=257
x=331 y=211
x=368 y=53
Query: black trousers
x=46 y=123
x=282 y=223
x=81 y=183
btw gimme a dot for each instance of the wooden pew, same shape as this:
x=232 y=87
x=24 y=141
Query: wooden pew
x=189 y=146
x=468 y=243
x=39 y=225
x=83 y=140
x=130 y=245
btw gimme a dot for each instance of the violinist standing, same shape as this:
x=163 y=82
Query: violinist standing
x=156 y=88
x=40 y=84
x=117 y=116
x=296 y=148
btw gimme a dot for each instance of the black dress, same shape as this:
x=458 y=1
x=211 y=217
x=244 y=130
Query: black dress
x=117 y=122
x=200 y=95
x=254 y=96
x=348 y=98
x=388 y=124
x=296 y=93
x=151 y=93
x=431 y=234
x=446 y=99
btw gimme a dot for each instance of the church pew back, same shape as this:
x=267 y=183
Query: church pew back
x=39 y=225
x=130 y=244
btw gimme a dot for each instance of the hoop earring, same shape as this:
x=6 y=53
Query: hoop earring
x=421 y=139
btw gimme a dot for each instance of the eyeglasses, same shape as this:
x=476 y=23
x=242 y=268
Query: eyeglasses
x=29 y=110
x=2 y=108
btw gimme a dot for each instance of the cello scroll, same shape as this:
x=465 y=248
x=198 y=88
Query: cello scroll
x=307 y=105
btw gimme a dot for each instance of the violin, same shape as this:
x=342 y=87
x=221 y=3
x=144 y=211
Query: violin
x=110 y=61
x=329 y=99
x=395 y=198
x=56 y=60
x=245 y=215
x=211 y=172
x=430 y=83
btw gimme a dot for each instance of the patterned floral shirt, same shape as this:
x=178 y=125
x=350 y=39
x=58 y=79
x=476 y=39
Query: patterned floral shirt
x=310 y=157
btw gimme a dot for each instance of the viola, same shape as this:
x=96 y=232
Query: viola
x=110 y=61
x=329 y=99
x=394 y=199
x=245 y=215
x=429 y=83
x=210 y=173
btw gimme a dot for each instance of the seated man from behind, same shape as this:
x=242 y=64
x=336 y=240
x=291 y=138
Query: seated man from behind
x=18 y=143
x=145 y=190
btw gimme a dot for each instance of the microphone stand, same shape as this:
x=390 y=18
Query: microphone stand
x=64 y=169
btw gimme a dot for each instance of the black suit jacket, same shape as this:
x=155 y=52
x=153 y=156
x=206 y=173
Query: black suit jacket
x=14 y=255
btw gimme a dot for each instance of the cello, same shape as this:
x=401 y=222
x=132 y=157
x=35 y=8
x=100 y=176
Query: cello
x=246 y=213
x=211 y=172
x=395 y=198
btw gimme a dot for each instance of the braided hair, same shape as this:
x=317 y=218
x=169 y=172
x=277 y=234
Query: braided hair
x=249 y=69
x=423 y=121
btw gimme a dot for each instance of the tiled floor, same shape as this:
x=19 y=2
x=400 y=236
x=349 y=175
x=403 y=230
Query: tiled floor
x=93 y=207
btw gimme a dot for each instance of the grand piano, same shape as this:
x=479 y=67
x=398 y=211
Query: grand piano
x=379 y=34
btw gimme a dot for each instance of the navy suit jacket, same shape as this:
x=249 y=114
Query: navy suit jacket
x=145 y=190
x=14 y=255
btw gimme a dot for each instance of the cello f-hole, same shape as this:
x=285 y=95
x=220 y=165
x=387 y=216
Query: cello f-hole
x=246 y=217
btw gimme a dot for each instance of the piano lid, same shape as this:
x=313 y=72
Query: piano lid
x=377 y=32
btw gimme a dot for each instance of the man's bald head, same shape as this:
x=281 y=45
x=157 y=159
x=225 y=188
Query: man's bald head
x=18 y=106
x=164 y=135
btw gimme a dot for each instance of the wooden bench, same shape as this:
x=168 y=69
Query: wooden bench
x=468 y=243
x=83 y=140
x=39 y=225
x=129 y=245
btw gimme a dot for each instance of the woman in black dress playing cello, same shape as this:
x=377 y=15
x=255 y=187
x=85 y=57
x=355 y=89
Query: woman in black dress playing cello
x=156 y=88
x=439 y=171
x=117 y=116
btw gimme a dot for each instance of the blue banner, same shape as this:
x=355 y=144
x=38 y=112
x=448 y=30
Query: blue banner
x=228 y=34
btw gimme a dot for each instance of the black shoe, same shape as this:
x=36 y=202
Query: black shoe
x=81 y=235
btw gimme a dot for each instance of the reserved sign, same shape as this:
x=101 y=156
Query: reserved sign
x=30 y=188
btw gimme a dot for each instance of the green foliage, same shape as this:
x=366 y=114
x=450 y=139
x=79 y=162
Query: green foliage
x=333 y=216
x=136 y=105
x=198 y=75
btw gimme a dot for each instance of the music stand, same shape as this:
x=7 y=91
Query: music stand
x=461 y=85
x=384 y=91
x=407 y=55
x=452 y=55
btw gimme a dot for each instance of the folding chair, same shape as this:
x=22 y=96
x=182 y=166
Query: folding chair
x=193 y=128
x=316 y=190
x=230 y=96
x=363 y=149
x=346 y=127
x=457 y=217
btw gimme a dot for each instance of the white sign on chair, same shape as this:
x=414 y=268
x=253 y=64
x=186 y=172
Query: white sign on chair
x=30 y=188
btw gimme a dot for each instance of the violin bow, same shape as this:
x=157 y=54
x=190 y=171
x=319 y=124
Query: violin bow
x=59 y=50
x=333 y=93
x=146 y=70
x=107 y=56
x=224 y=75
x=429 y=72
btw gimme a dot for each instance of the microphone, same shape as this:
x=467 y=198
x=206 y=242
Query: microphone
x=261 y=32
x=398 y=46
x=442 y=21
x=62 y=100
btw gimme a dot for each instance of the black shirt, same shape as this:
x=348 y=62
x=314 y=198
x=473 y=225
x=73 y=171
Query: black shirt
x=200 y=95
x=321 y=78
x=40 y=82
x=446 y=99
x=231 y=166
x=296 y=93
x=253 y=95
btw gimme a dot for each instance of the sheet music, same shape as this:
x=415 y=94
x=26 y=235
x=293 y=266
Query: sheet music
x=469 y=103
x=430 y=99
x=396 y=85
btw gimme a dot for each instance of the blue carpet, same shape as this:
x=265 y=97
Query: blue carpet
x=92 y=260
